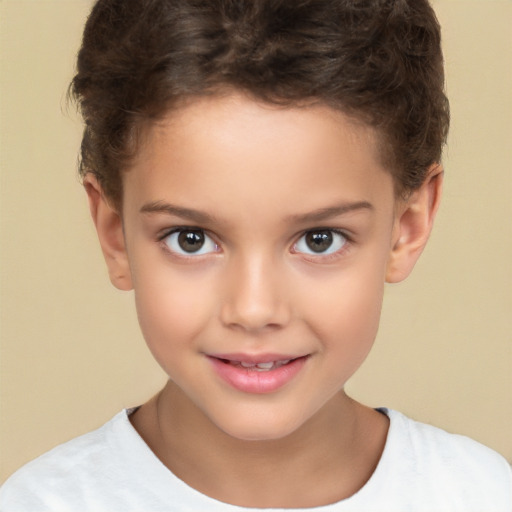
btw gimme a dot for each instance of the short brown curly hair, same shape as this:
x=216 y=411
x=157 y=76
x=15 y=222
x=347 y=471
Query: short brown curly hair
x=379 y=61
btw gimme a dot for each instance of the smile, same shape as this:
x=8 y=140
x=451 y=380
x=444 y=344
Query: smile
x=257 y=375
x=260 y=367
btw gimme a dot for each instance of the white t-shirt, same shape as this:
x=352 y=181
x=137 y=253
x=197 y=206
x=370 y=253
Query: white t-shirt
x=111 y=469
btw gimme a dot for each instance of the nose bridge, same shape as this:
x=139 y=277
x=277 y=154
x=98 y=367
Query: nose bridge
x=254 y=296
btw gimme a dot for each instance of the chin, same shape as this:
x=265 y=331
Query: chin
x=260 y=435
x=259 y=429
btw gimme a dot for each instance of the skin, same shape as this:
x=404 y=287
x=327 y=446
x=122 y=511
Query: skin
x=255 y=178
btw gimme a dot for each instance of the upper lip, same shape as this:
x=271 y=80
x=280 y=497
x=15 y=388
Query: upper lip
x=255 y=358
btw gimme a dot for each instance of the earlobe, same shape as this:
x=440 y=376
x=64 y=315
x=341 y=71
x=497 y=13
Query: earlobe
x=413 y=224
x=109 y=227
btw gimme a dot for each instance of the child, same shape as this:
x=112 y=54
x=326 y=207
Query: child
x=256 y=171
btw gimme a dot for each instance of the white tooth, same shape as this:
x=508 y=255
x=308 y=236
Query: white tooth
x=248 y=365
x=265 y=366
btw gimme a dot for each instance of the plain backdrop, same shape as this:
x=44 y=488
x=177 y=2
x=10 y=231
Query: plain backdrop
x=71 y=351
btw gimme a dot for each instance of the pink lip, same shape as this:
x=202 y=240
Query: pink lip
x=253 y=381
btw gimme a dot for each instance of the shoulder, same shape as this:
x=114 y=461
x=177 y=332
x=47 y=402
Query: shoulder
x=450 y=465
x=84 y=460
x=436 y=445
x=111 y=468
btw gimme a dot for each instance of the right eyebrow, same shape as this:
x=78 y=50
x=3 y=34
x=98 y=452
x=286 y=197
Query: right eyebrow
x=191 y=214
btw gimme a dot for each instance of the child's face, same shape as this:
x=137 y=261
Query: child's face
x=258 y=234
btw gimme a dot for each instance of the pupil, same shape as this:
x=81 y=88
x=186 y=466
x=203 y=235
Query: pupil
x=191 y=241
x=319 y=241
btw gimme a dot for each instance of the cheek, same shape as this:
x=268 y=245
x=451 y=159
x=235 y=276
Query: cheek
x=172 y=308
x=348 y=332
x=345 y=312
x=352 y=314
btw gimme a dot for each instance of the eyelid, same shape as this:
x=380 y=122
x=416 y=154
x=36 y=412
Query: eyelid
x=184 y=255
x=161 y=237
x=345 y=233
x=164 y=233
x=324 y=256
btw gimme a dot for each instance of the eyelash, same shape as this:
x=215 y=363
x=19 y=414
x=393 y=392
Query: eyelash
x=323 y=257
x=181 y=229
x=348 y=242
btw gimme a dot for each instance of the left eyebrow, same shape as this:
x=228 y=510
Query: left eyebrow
x=330 y=212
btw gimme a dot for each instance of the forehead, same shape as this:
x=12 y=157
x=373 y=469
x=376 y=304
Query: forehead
x=241 y=151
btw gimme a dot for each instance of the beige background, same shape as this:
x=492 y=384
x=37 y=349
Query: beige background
x=71 y=352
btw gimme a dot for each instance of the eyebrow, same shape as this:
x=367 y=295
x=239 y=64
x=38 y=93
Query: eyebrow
x=178 y=211
x=330 y=212
x=203 y=217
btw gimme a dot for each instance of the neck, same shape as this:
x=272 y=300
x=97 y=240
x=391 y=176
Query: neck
x=335 y=453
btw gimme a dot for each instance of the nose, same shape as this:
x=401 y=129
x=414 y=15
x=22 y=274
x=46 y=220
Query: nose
x=254 y=296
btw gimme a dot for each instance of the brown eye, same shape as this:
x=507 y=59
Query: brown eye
x=320 y=242
x=193 y=242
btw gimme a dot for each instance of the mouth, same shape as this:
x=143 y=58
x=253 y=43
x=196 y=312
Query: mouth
x=259 y=367
x=257 y=374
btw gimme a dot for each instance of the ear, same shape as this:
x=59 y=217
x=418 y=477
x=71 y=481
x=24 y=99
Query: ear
x=109 y=227
x=413 y=224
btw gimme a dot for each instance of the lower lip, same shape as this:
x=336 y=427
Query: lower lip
x=254 y=381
